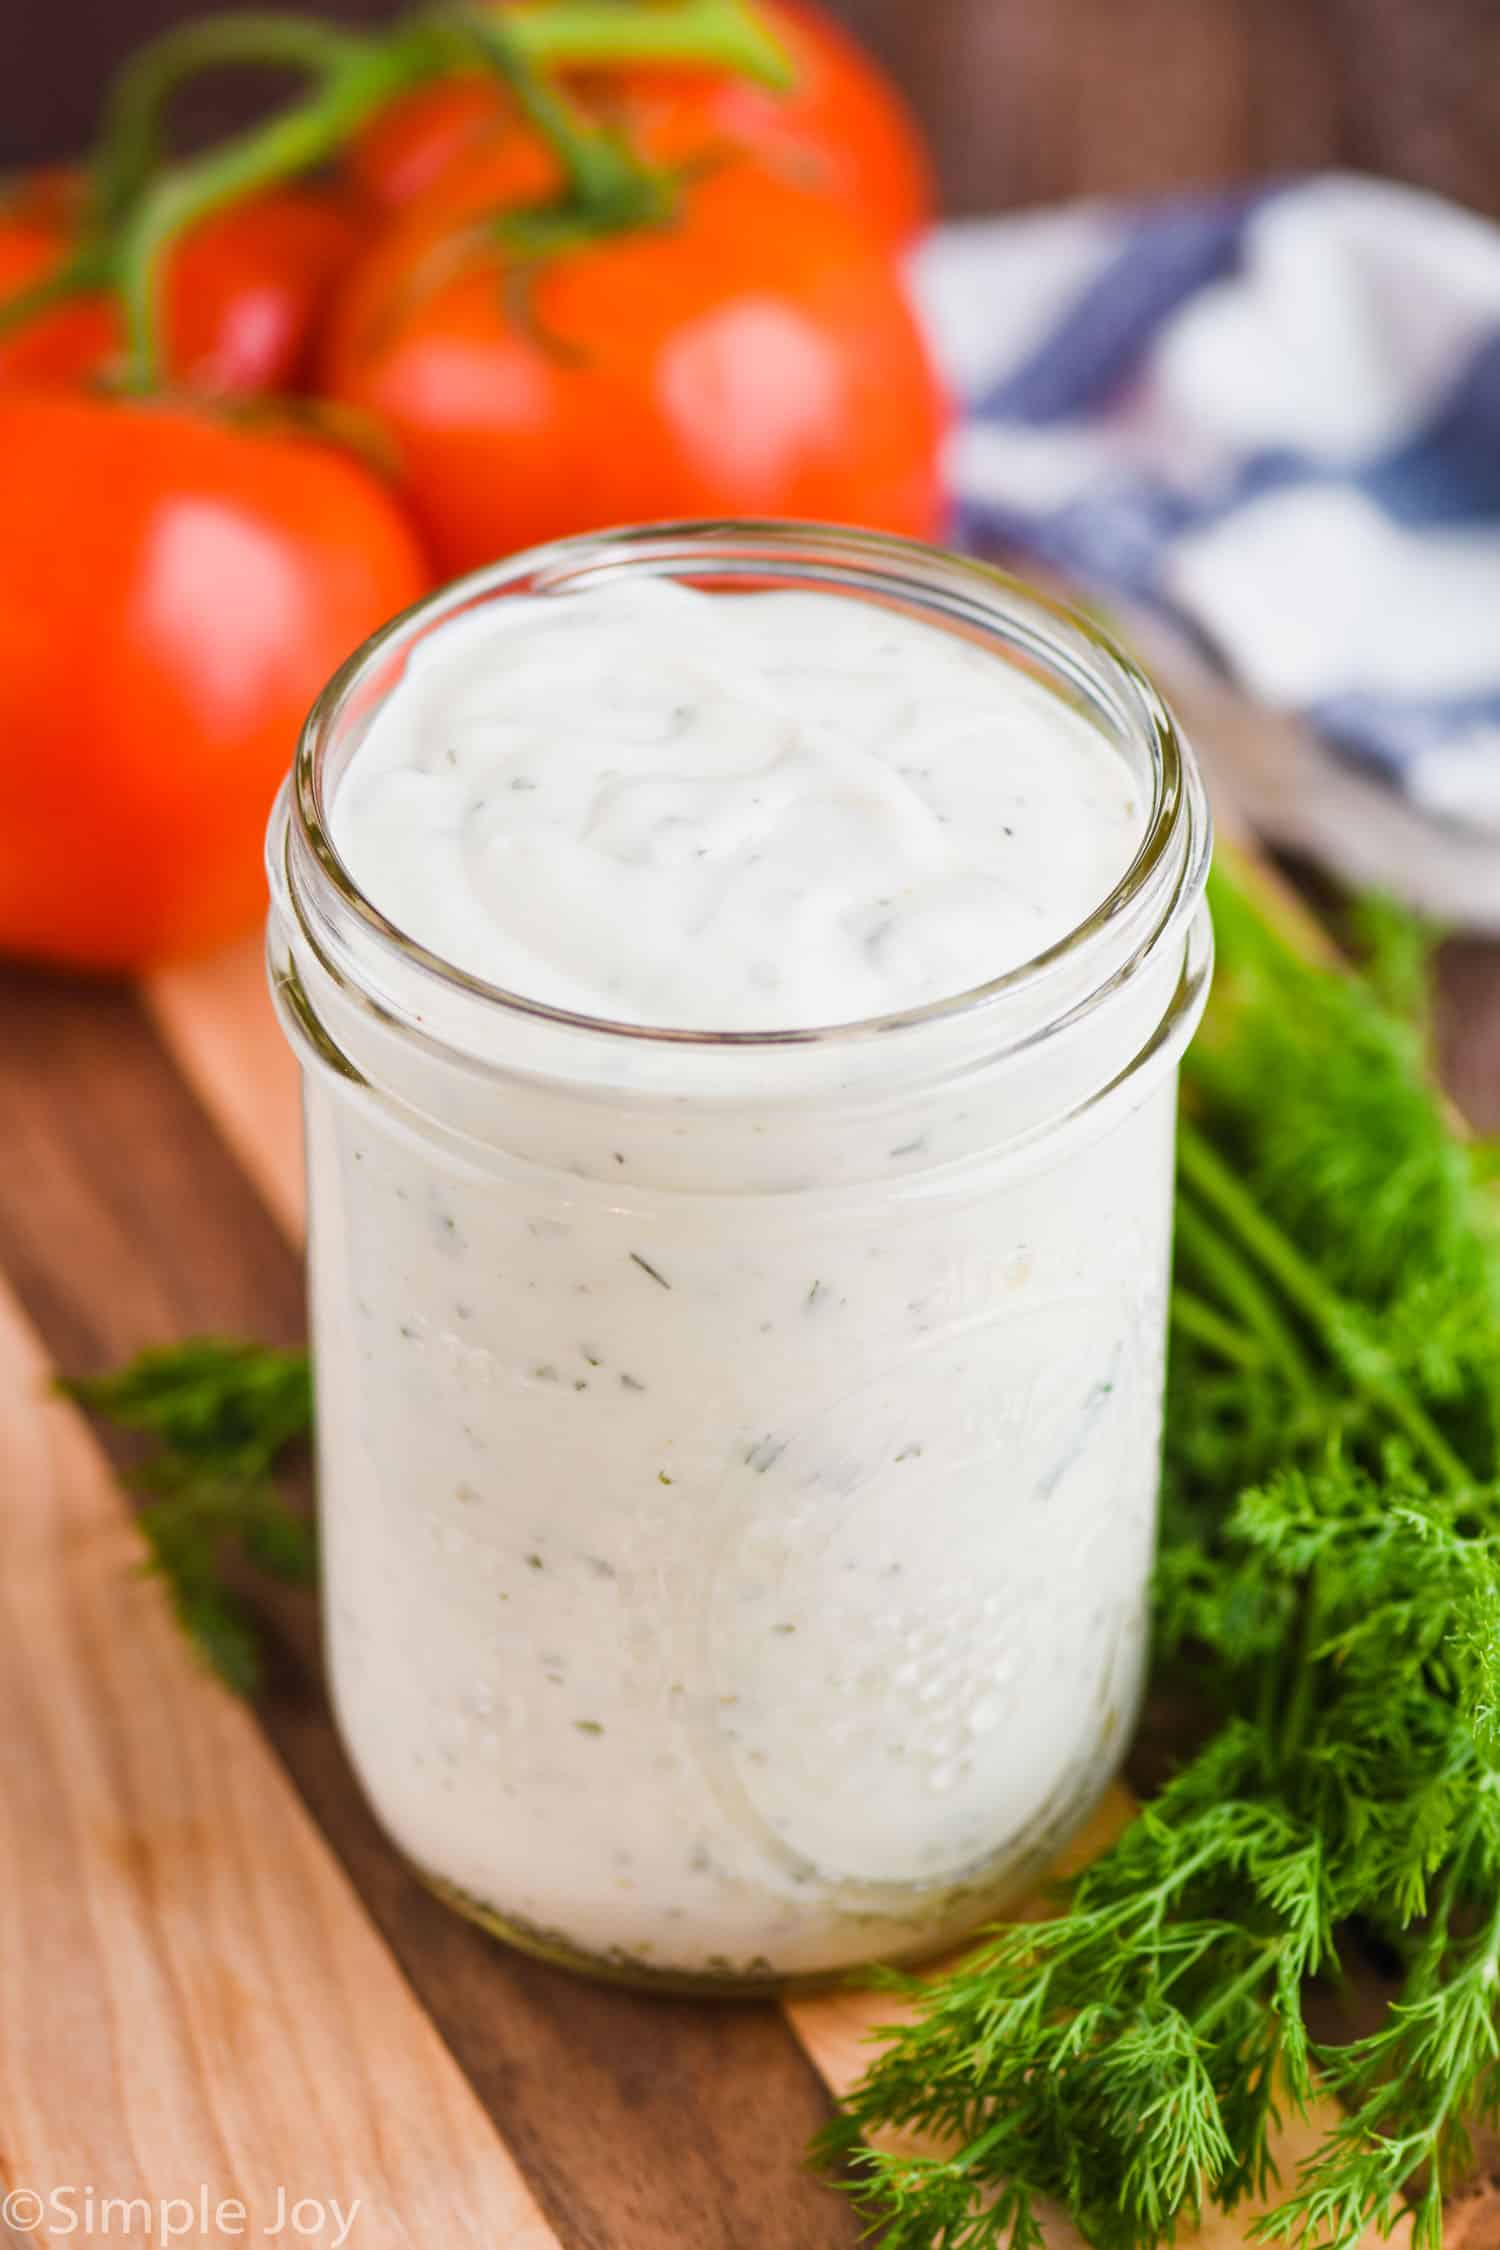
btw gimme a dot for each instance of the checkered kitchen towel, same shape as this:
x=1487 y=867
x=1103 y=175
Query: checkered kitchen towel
x=1272 y=417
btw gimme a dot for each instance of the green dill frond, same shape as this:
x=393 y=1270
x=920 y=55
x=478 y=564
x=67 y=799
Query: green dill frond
x=1319 y=1100
x=206 y=1397
x=220 y=1417
x=1394 y=948
x=1328 y=1590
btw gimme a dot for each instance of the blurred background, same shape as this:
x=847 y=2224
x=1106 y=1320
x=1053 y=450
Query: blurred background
x=1257 y=427
x=1026 y=101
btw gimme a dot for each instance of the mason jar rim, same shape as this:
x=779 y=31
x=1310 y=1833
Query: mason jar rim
x=952 y=591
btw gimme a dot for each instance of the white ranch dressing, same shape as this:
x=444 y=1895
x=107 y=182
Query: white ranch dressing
x=658 y=806
x=737 y=1513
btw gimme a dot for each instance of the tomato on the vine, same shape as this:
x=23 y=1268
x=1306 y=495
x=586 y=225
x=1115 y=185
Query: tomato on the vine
x=175 y=589
x=244 y=291
x=755 y=354
x=841 y=128
x=70 y=340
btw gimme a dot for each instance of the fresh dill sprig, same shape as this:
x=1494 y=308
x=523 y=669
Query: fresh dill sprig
x=1328 y=1596
x=221 y=1415
x=1393 y=946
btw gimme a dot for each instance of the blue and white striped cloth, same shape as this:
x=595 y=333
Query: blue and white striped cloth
x=1272 y=416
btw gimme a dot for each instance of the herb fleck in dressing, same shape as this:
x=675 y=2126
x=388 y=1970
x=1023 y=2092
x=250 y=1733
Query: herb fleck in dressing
x=738 y=1495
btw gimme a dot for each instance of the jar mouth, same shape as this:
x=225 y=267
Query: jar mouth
x=1161 y=883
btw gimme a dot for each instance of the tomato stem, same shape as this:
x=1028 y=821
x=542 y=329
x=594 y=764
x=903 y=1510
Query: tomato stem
x=131 y=145
x=293 y=141
x=601 y=173
x=140 y=205
x=702 y=34
x=87 y=268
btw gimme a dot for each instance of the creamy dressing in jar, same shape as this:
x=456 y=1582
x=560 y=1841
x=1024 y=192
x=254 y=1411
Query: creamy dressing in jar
x=651 y=804
x=740 y=1020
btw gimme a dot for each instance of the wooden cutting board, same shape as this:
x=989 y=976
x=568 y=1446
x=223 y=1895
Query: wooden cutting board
x=220 y=1989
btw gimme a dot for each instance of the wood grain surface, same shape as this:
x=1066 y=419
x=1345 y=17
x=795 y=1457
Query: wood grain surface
x=193 y=1995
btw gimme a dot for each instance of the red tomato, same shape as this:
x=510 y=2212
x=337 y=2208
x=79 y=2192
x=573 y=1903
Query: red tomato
x=47 y=191
x=247 y=287
x=408 y=146
x=841 y=128
x=244 y=290
x=73 y=339
x=756 y=356
x=174 y=591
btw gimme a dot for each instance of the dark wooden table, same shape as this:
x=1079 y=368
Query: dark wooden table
x=1025 y=99
x=147 y=1189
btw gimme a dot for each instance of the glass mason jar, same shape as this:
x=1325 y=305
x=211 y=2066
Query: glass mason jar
x=739 y=1452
